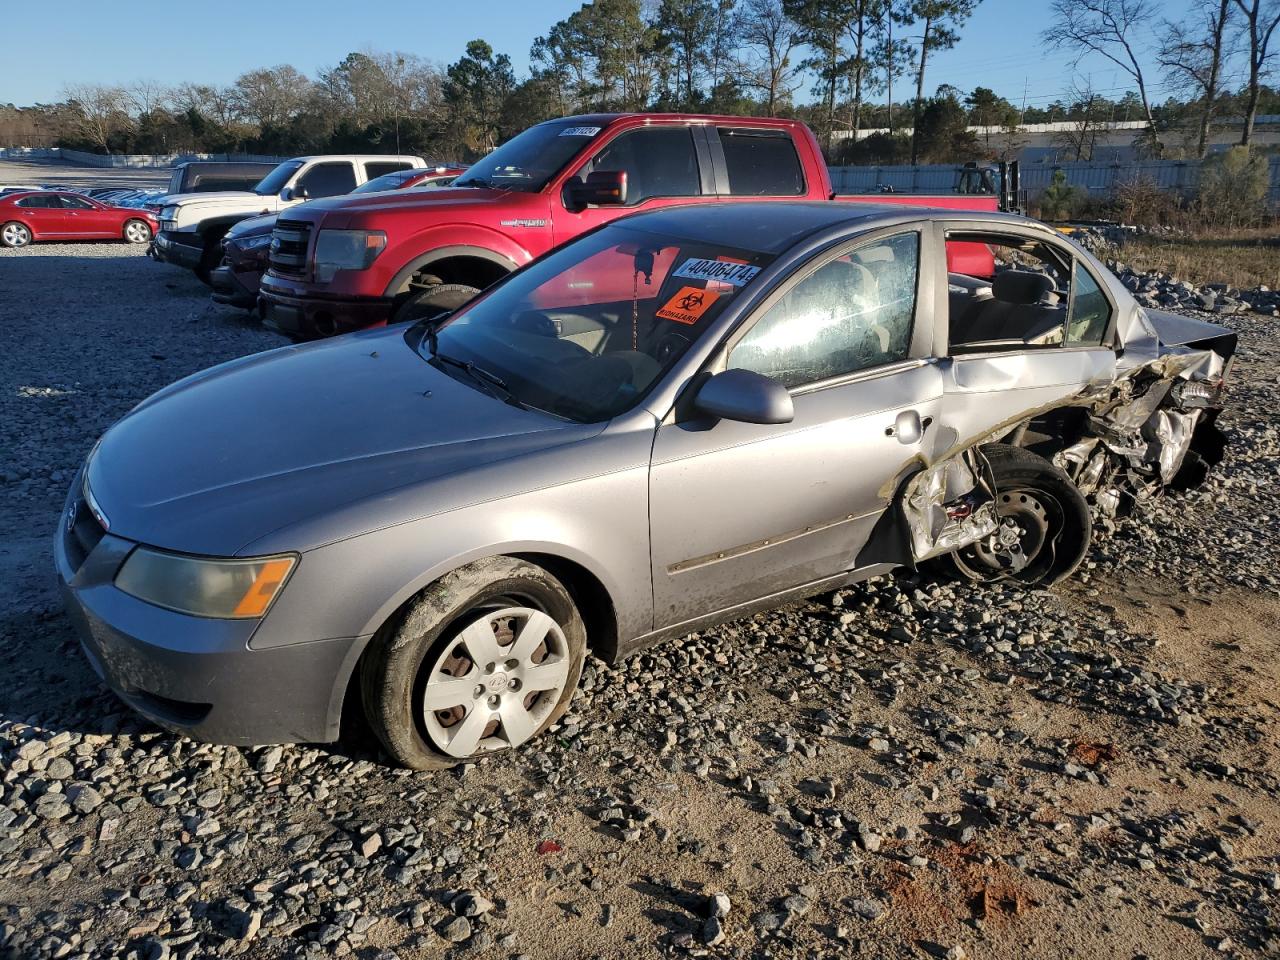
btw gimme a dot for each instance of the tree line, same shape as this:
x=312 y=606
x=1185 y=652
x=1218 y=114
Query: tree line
x=841 y=65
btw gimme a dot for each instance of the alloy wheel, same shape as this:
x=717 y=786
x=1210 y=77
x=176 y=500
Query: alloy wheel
x=495 y=684
x=136 y=232
x=15 y=235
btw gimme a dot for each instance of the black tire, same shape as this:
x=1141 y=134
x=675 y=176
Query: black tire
x=1047 y=517
x=142 y=235
x=394 y=671
x=434 y=301
x=15 y=234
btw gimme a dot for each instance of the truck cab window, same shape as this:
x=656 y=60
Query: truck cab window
x=328 y=180
x=852 y=313
x=378 y=169
x=761 y=163
x=658 y=161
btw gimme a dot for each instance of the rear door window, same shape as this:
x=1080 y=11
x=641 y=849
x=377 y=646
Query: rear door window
x=380 y=167
x=329 y=180
x=761 y=163
x=41 y=202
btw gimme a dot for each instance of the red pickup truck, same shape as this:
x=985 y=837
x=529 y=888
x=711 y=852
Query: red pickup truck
x=358 y=261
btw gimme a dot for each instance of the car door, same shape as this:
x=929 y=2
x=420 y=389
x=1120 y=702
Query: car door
x=1033 y=333
x=665 y=163
x=742 y=511
x=87 y=219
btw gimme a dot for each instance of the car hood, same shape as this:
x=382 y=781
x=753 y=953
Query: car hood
x=218 y=197
x=227 y=456
x=1177 y=330
x=253 y=227
x=445 y=200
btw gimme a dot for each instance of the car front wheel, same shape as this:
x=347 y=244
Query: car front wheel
x=1044 y=528
x=137 y=231
x=15 y=235
x=483 y=660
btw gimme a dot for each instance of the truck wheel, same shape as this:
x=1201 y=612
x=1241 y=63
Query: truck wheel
x=137 y=231
x=483 y=660
x=15 y=234
x=434 y=301
x=1044 y=524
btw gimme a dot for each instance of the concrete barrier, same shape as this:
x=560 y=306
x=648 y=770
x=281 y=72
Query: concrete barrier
x=126 y=160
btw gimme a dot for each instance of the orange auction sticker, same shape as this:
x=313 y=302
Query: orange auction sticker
x=688 y=305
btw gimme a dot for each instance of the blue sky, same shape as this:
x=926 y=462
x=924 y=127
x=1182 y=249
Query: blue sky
x=172 y=41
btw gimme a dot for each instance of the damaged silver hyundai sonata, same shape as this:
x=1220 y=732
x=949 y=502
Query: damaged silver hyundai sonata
x=671 y=421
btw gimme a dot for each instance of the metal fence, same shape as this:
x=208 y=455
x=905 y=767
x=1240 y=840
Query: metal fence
x=1099 y=177
x=122 y=160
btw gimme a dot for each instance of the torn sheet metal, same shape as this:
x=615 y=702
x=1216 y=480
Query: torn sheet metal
x=950 y=505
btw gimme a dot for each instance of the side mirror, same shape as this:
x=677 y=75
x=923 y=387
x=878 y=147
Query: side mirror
x=746 y=397
x=294 y=193
x=602 y=188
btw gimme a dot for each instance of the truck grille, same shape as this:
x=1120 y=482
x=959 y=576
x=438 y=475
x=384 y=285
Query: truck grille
x=289 y=243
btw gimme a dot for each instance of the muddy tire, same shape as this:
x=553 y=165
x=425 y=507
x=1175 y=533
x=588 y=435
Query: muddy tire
x=1045 y=524
x=483 y=660
x=434 y=301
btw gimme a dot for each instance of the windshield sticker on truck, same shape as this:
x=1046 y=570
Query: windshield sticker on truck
x=688 y=305
x=579 y=131
x=719 y=270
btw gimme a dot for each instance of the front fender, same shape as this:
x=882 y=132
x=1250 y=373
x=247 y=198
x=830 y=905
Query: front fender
x=452 y=240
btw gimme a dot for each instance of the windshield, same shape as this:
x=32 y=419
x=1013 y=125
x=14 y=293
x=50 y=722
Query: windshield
x=526 y=162
x=388 y=181
x=276 y=180
x=588 y=331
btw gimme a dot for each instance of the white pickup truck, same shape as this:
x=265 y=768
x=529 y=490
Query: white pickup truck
x=192 y=224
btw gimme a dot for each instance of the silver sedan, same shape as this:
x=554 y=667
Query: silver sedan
x=674 y=420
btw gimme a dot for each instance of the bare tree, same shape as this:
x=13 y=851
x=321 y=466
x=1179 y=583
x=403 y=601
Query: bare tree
x=1261 y=18
x=146 y=96
x=1193 y=58
x=101 y=112
x=1086 y=114
x=271 y=95
x=1109 y=28
x=770 y=38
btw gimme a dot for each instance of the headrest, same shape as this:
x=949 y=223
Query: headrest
x=1021 y=286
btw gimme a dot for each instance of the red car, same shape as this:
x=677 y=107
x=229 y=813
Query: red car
x=54 y=215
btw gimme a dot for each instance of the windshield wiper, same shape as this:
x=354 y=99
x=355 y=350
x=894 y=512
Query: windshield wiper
x=479 y=374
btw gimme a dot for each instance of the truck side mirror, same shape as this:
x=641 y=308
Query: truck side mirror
x=294 y=193
x=601 y=188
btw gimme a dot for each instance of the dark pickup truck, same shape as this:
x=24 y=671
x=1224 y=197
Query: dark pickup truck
x=351 y=262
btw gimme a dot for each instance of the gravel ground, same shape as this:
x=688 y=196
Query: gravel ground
x=904 y=769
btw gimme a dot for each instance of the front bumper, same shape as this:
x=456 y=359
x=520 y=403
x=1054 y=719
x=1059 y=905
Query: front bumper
x=196 y=676
x=308 y=318
x=170 y=247
x=236 y=288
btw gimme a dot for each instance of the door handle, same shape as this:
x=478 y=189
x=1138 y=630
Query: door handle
x=908 y=427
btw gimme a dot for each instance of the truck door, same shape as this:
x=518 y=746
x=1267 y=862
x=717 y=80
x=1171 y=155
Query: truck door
x=331 y=178
x=740 y=511
x=664 y=164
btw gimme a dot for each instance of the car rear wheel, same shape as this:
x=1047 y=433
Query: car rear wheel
x=483 y=660
x=15 y=234
x=434 y=301
x=137 y=231
x=1044 y=529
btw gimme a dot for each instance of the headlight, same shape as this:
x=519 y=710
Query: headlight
x=347 y=250
x=223 y=589
x=169 y=213
x=253 y=243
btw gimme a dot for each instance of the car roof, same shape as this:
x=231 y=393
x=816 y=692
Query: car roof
x=775 y=226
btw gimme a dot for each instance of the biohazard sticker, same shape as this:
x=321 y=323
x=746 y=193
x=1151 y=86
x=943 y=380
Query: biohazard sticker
x=688 y=305
x=722 y=271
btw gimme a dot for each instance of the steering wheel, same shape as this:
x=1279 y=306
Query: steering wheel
x=670 y=345
x=534 y=322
